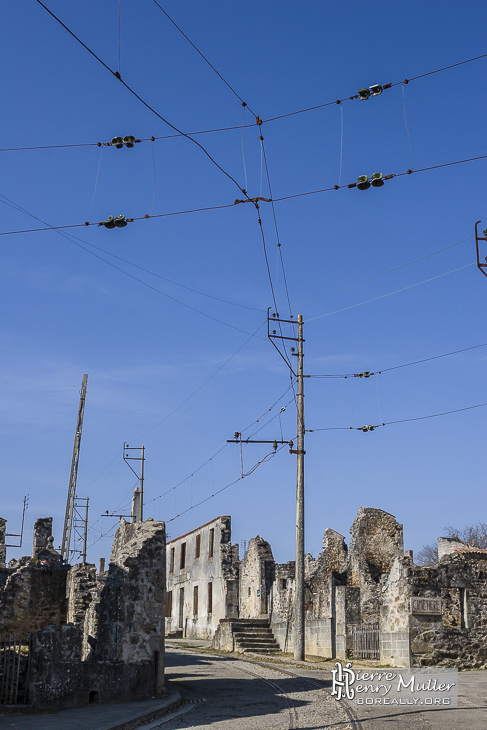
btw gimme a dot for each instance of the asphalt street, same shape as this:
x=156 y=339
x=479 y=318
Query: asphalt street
x=230 y=692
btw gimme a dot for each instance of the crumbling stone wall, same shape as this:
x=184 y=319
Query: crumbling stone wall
x=42 y=538
x=257 y=573
x=459 y=636
x=81 y=591
x=376 y=540
x=33 y=597
x=131 y=608
x=447 y=546
x=456 y=634
x=33 y=594
x=59 y=679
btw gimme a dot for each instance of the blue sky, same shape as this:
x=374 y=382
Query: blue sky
x=164 y=373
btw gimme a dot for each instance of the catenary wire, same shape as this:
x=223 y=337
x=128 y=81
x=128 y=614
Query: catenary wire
x=232 y=205
x=404 y=365
x=402 y=420
x=235 y=127
x=148 y=106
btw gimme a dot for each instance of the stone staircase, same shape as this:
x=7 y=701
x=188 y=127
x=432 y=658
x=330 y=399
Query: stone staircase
x=253 y=635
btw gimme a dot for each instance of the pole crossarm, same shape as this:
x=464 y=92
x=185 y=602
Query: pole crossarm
x=482 y=266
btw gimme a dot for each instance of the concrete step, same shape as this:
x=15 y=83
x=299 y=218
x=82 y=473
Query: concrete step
x=254 y=634
x=257 y=644
x=262 y=650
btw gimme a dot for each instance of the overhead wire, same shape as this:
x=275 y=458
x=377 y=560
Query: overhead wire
x=266 y=458
x=202 y=56
x=384 y=273
x=210 y=459
x=390 y=294
x=137 y=96
x=234 y=127
x=82 y=245
x=402 y=420
x=261 y=138
x=248 y=200
x=404 y=365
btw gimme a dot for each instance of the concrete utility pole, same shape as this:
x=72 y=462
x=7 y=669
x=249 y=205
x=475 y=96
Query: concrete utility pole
x=298 y=631
x=299 y=648
x=68 y=519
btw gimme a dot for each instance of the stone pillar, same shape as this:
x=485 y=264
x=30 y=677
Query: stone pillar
x=80 y=585
x=347 y=615
x=42 y=533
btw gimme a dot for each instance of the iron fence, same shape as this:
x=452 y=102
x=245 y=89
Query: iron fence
x=366 y=641
x=13 y=669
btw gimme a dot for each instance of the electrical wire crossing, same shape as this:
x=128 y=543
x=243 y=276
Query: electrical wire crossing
x=142 y=101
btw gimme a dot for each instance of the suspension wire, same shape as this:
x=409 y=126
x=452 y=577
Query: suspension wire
x=436 y=357
x=70 y=237
x=276 y=226
x=195 y=471
x=384 y=273
x=203 y=384
x=389 y=294
x=96 y=185
x=341 y=145
x=150 y=108
x=74 y=240
x=243 y=151
x=402 y=420
x=202 y=56
x=154 y=184
x=407 y=127
x=119 y=13
x=266 y=458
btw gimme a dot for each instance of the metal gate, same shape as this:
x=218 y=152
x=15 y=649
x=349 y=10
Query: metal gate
x=366 y=641
x=13 y=669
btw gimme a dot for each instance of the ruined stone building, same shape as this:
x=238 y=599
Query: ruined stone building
x=91 y=637
x=365 y=600
x=202 y=580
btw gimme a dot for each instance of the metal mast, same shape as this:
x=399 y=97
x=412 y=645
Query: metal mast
x=68 y=520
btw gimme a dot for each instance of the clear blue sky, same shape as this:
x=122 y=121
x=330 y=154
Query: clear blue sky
x=151 y=361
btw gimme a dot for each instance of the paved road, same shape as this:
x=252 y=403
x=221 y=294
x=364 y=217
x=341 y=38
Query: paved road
x=239 y=695
x=471 y=713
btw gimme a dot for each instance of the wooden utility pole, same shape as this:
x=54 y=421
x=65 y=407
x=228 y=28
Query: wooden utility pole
x=68 y=519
